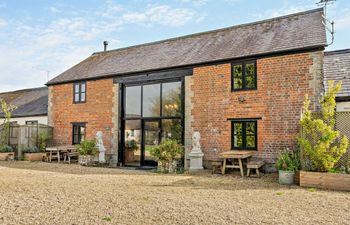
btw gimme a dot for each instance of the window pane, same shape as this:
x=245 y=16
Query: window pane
x=151 y=100
x=75 y=130
x=250 y=142
x=75 y=139
x=250 y=128
x=133 y=142
x=76 y=97
x=133 y=101
x=82 y=97
x=237 y=141
x=250 y=75
x=82 y=87
x=237 y=128
x=82 y=133
x=172 y=129
x=76 y=88
x=171 y=99
x=237 y=77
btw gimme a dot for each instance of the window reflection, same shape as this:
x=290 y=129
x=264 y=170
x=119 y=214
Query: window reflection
x=151 y=100
x=133 y=101
x=171 y=102
x=172 y=129
x=133 y=142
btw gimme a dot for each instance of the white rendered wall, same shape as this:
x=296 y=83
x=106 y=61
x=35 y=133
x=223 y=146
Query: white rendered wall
x=343 y=106
x=22 y=120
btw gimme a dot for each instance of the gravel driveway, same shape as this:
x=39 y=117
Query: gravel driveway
x=43 y=193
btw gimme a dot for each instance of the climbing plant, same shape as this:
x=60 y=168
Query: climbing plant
x=318 y=139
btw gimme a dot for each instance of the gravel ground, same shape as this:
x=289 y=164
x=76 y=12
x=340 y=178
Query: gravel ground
x=43 y=193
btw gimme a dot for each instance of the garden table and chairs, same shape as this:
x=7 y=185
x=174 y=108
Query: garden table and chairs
x=234 y=156
x=67 y=151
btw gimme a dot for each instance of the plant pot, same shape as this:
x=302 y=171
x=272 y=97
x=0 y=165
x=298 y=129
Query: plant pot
x=129 y=155
x=334 y=181
x=286 y=177
x=169 y=167
x=86 y=160
x=34 y=156
x=7 y=156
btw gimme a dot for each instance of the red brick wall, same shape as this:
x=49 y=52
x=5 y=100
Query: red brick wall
x=97 y=111
x=282 y=83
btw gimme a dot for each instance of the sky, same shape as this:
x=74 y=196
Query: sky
x=41 y=39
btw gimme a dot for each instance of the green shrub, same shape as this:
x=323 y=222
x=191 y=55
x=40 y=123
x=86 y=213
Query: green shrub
x=288 y=161
x=166 y=152
x=319 y=135
x=87 y=147
x=43 y=139
x=5 y=149
x=33 y=149
x=132 y=144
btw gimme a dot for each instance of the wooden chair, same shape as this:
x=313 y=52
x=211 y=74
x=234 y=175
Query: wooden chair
x=255 y=165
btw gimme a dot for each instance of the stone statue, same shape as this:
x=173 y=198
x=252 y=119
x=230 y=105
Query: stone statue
x=100 y=146
x=196 y=137
x=196 y=154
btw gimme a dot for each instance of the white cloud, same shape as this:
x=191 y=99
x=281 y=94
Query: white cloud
x=195 y=2
x=54 y=9
x=343 y=21
x=70 y=37
x=3 y=23
x=161 y=14
x=288 y=10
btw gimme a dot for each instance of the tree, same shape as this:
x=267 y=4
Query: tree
x=7 y=110
x=319 y=135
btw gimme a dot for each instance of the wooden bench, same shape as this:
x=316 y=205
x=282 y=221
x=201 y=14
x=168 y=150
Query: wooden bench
x=69 y=155
x=255 y=165
x=216 y=166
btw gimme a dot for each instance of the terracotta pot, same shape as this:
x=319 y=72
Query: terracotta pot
x=34 y=156
x=7 y=156
x=129 y=155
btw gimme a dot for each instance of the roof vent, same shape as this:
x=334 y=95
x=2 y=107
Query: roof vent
x=105 y=44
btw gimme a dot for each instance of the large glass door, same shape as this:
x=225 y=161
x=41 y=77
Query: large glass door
x=151 y=112
x=151 y=138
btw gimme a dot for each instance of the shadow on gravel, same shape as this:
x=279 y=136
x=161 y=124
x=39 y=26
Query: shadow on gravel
x=72 y=168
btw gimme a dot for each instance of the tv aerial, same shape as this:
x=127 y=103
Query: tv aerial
x=329 y=25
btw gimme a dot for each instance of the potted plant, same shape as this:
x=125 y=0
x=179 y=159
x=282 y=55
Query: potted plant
x=6 y=153
x=37 y=153
x=130 y=148
x=287 y=164
x=321 y=145
x=87 y=151
x=167 y=154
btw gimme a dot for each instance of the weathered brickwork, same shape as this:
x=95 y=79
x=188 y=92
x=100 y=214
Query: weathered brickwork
x=282 y=83
x=96 y=112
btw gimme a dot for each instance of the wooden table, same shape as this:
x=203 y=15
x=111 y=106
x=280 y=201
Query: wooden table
x=59 y=150
x=53 y=150
x=235 y=154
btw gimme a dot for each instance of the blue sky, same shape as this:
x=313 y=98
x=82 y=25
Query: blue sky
x=38 y=36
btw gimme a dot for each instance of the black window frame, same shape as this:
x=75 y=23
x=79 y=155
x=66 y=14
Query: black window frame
x=79 y=92
x=79 y=125
x=243 y=64
x=244 y=135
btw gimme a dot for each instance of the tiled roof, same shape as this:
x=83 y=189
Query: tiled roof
x=29 y=102
x=337 y=67
x=287 y=33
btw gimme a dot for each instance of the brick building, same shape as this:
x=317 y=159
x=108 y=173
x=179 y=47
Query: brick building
x=241 y=87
